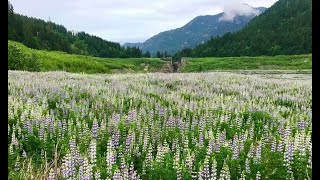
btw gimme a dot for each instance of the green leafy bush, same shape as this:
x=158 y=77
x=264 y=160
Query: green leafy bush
x=18 y=60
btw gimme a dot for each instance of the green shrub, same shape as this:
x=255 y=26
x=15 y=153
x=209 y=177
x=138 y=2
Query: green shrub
x=18 y=60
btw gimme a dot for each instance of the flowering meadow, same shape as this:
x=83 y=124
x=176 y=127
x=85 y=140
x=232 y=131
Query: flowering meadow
x=158 y=126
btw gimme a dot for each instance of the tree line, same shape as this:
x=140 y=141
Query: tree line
x=46 y=35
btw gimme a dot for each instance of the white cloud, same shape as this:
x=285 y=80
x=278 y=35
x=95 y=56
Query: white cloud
x=123 y=20
x=231 y=11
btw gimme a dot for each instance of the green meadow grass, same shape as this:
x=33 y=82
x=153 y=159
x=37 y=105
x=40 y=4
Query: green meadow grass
x=280 y=62
x=61 y=61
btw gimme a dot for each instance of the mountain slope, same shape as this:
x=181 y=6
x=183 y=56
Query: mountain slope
x=197 y=31
x=284 y=28
x=39 y=34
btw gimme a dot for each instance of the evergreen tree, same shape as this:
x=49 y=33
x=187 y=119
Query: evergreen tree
x=158 y=55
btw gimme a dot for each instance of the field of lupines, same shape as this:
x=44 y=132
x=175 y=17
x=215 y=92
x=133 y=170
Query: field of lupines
x=158 y=126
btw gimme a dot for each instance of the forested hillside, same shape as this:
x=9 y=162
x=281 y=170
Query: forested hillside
x=197 y=31
x=285 y=28
x=39 y=34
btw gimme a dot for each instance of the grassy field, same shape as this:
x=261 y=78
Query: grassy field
x=61 y=61
x=281 y=62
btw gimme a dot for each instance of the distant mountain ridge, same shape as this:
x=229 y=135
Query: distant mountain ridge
x=197 y=31
x=283 y=29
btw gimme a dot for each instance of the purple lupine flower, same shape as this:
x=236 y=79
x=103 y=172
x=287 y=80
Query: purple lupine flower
x=182 y=126
x=179 y=175
x=206 y=171
x=128 y=142
x=95 y=128
x=280 y=146
x=64 y=127
x=190 y=161
x=258 y=153
x=110 y=128
x=110 y=156
x=287 y=132
x=14 y=140
x=273 y=145
x=235 y=152
x=17 y=164
x=116 y=118
x=24 y=154
x=72 y=145
x=301 y=125
x=201 y=123
x=214 y=170
x=41 y=132
x=217 y=147
x=116 y=175
x=151 y=114
x=28 y=127
x=10 y=149
x=68 y=166
x=65 y=170
x=93 y=152
x=131 y=171
x=82 y=169
x=35 y=123
x=129 y=116
x=60 y=129
x=225 y=173
x=194 y=141
x=251 y=151
x=170 y=122
x=77 y=157
x=42 y=154
x=174 y=144
x=45 y=124
x=115 y=139
x=88 y=173
x=201 y=139
x=288 y=156
x=51 y=125
x=248 y=171
x=210 y=147
x=97 y=175
x=149 y=157
x=144 y=171
x=162 y=111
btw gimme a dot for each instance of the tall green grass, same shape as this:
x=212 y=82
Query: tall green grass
x=61 y=61
x=280 y=62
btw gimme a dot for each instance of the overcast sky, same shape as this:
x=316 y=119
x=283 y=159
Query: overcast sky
x=126 y=20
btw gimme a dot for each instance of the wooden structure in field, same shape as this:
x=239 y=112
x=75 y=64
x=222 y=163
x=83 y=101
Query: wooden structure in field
x=169 y=59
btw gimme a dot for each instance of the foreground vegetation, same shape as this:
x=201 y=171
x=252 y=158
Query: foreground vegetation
x=281 y=62
x=61 y=61
x=158 y=126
